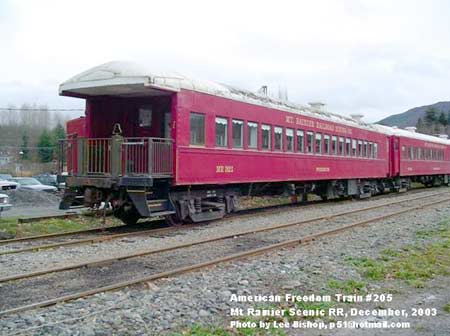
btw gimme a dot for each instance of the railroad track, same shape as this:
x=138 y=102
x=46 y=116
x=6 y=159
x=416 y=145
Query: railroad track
x=106 y=234
x=110 y=273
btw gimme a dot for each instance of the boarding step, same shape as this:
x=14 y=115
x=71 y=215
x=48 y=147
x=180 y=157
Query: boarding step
x=162 y=213
x=158 y=205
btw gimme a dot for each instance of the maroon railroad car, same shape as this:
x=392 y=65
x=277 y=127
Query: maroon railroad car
x=167 y=145
x=76 y=127
x=416 y=157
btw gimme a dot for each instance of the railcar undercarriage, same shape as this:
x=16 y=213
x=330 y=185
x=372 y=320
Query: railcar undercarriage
x=203 y=203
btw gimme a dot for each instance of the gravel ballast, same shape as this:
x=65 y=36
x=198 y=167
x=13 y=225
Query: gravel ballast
x=204 y=297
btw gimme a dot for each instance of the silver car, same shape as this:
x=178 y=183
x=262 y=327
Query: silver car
x=4 y=203
x=33 y=184
x=8 y=185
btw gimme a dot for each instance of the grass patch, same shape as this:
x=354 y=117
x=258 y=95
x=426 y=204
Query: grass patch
x=56 y=225
x=414 y=264
x=447 y=308
x=198 y=330
x=347 y=286
x=371 y=269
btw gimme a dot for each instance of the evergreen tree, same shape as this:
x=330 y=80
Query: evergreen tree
x=430 y=116
x=58 y=133
x=45 y=148
x=420 y=124
x=442 y=119
x=24 y=148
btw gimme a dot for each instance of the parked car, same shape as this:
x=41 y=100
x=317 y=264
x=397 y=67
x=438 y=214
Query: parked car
x=31 y=183
x=5 y=177
x=4 y=203
x=47 y=179
x=8 y=185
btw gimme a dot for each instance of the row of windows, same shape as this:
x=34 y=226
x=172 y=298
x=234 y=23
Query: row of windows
x=295 y=139
x=419 y=153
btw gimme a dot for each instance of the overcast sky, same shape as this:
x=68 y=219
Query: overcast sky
x=372 y=57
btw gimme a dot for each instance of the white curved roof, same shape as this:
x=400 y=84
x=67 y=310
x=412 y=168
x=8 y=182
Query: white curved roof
x=131 y=79
x=408 y=134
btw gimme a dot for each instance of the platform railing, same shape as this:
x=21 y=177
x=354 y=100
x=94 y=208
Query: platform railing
x=116 y=156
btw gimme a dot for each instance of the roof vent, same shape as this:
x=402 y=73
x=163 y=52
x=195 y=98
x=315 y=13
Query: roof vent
x=317 y=106
x=357 y=117
x=411 y=129
x=263 y=90
x=443 y=136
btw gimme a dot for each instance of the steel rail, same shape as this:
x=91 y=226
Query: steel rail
x=232 y=257
x=53 y=235
x=137 y=233
x=96 y=239
x=189 y=244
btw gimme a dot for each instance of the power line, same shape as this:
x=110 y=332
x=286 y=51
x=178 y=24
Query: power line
x=39 y=109
x=27 y=147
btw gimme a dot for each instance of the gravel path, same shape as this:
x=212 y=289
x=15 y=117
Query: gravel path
x=203 y=297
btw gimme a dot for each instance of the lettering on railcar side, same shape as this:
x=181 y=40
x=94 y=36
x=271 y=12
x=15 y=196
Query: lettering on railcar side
x=318 y=124
x=224 y=169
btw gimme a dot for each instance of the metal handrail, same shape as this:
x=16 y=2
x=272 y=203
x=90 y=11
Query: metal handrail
x=116 y=156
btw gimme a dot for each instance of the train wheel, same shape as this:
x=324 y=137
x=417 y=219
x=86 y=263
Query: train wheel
x=173 y=220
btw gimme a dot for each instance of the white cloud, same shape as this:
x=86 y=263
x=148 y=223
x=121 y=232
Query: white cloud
x=371 y=57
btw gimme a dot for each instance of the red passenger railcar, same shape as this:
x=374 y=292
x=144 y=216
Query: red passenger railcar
x=418 y=157
x=166 y=145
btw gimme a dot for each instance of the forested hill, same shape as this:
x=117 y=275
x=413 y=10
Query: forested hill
x=411 y=117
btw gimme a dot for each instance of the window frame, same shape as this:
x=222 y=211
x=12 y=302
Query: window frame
x=300 y=134
x=269 y=130
x=326 y=144
x=334 y=145
x=309 y=142
x=341 y=145
x=225 y=145
x=278 y=130
x=292 y=142
x=248 y=134
x=192 y=113
x=237 y=122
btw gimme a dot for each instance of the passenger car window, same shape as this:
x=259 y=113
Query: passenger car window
x=326 y=144
x=353 y=147
x=360 y=148
x=252 y=134
x=334 y=145
x=197 y=129
x=341 y=146
x=318 y=143
x=289 y=139
x=238 y=133
x=300 y=141
x=309 y=141
x=221 y=132
x=278 y=138
x=265 y=134
x=347 y=147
